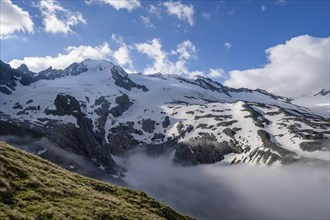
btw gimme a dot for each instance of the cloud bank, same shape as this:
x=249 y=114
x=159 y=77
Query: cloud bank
x=234 y=192
x=61 y=61
x=298 y=67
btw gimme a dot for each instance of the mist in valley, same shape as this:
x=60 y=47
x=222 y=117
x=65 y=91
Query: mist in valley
x=233 y=192
x=214 y=191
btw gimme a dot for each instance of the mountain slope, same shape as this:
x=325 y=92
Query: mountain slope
x=319 y=102
x=98 y=111
x=31 y=187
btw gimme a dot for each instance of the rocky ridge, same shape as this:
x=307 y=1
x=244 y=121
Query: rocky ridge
x=96 y=110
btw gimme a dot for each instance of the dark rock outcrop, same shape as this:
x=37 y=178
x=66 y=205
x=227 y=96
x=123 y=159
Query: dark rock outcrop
x=203 y=150
x=9 y=78
x=123 y=104
x=287 y=156
x=65 y=105
x=121 y=139
x=229 y=132
x=166 y=122
x=259 y=119
x=122 y=80
x=311 y=146
x=148 y=125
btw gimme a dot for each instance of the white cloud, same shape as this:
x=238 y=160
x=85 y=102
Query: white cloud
x=227 y=45
x=118 y=4
x=57 y=19
x=213 y=73
x=161 y=61
x=263 y=8
x=182 y=11
x=13 y=19
x=153 y=50
x=186 y=50
x=122 y=54
x=298 y=67
x=216 y=73
x=165 y=64
x=146 y=21
x=73 y=54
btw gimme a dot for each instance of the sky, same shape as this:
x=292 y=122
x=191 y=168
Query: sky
x=280 y=45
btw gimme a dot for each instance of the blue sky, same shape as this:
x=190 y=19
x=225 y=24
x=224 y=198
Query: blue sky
x=192 y=37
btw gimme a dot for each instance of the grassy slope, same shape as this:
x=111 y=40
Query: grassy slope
x=32 y=188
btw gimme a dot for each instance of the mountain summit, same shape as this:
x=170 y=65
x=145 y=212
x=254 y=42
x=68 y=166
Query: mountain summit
x=96 y=110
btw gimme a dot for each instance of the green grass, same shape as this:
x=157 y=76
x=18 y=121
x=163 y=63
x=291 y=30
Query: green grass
x=33 y=188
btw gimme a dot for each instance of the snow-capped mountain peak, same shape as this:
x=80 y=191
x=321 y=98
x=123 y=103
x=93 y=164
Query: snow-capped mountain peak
x=95 y=109
x=323 y=92
x=97 y=64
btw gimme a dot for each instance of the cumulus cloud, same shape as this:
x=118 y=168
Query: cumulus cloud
x=73 y=54
x=57 y=19
x=146 y=21
x=153 y=49
x=299 y=66
x=13 y=19
x=174 y=62
x=161 y=61
x=263 y=7
x=216 y=73
x=181 y=11
x=186 y=50
x=118 y=4
x=122 y=54
x=233 y=192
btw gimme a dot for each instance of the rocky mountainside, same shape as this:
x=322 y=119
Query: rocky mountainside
x=33 y=188
x=323 y=92
x=96 y=110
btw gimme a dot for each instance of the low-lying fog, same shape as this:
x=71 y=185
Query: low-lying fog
x=228 y=192
x=212 y=191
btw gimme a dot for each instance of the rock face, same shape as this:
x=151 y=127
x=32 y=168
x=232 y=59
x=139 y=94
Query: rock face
x=123 y=104
x=148 y=125
x=96 y=110
x=122 y=80
x=121 y=138
x=82 y=141
x=323 y=92
x=65 y=105
x=9 y=78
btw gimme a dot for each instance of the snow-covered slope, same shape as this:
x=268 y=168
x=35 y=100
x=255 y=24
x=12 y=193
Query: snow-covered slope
x=318 y=103
x=95 y=109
